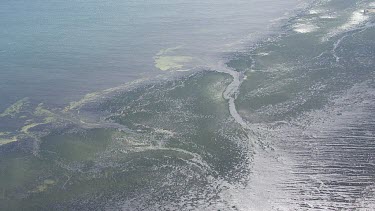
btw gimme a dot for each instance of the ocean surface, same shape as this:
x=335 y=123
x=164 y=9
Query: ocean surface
x=215 y=105
x=58 y=51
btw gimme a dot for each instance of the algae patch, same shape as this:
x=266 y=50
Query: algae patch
x=168 y=50
x=44 y=186
x=6 y=137
x=171 y=63
x=95 y=96
x=165 y=60
x=16 y=108
x=7 y=140
x=87 y=98
x=25 y=129
x=4 y=133
x=42 y=112
x=39 y=112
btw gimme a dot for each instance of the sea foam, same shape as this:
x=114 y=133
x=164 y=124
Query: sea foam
x=357 y=18
x=304 y=28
